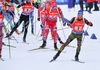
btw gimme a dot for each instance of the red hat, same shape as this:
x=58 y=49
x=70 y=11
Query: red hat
x=47 y=4
x=54 y=3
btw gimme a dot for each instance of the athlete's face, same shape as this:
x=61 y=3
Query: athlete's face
x=47 y=7
x=54 y=7
x=80 y=16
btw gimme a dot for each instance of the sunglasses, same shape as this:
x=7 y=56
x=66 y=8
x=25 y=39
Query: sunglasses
x=80 y=15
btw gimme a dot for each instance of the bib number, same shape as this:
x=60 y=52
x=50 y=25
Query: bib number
x=27 y=10
x=78 y=28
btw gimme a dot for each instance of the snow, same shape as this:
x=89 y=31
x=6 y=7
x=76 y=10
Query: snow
x=22 y=59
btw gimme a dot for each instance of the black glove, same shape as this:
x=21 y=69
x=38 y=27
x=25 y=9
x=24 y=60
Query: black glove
x=91 y=24
x=5 y=4
x=41 y=26
x=18 y=6
x=18 y=14
x=38 y=18
x=64 y=23
x=37 y=5
x=7 y=11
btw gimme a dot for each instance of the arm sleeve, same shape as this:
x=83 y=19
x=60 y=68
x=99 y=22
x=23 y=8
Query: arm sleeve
x=35 y=5
x=60 y=14
x=87 y=22
x=70 y=23
x=22 y=4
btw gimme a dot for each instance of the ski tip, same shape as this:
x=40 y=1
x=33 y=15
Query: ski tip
x=51 y=61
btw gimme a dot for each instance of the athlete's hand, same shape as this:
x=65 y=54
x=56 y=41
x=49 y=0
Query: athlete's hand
x=41 y=26
x=38 y=18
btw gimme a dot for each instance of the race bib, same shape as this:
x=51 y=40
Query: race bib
x=78 y=28
x=27 y=10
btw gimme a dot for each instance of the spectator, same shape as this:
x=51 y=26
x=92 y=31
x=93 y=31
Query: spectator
x=86 y=5
x=74 y=3
x=81 y=4
x=96 y=8
x=90 y=4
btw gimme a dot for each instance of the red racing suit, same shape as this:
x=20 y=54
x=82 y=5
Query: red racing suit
x=51 y=20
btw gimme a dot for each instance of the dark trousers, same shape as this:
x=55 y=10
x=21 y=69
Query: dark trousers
x=81 y=4
x=74 y=3
x=95 y=5
x=90 y=6
x=24 y=18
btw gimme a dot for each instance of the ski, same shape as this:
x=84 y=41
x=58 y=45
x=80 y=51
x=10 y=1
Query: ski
x=8 y=45
x=37 y=49
x=67 y=46
x=78 y=61
x=26 y=43
x=1 y=59
x=51 y=60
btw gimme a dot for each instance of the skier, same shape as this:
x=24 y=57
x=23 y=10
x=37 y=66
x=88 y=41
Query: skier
x=27 y=7
x=60 y=19
x=8 y=17
x=43 y=14
x=51 y=20
x=77 y=25
x=32 y=19
x=1 y=33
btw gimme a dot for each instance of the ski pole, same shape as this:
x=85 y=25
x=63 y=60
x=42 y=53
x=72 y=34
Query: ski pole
x=84 y=35
x=9 y=48
x=38 y=33
x=9 y=31
x=12 y=18
x=63 y=31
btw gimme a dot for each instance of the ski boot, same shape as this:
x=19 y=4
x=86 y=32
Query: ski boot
x=43 y=45
x=57 y=54
x=76 y=57
x=7 y=35
x=24 y=40
x=32 y=31
x=55 y=46
x=60 y=41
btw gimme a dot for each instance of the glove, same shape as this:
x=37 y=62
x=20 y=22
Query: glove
x=64 y=23
x=38 y=18
x=91 y=24
x=5 y=4
x=60 y=19
x=18 y=14
x=41 y=26
x=37 y=6
x=7 y=11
